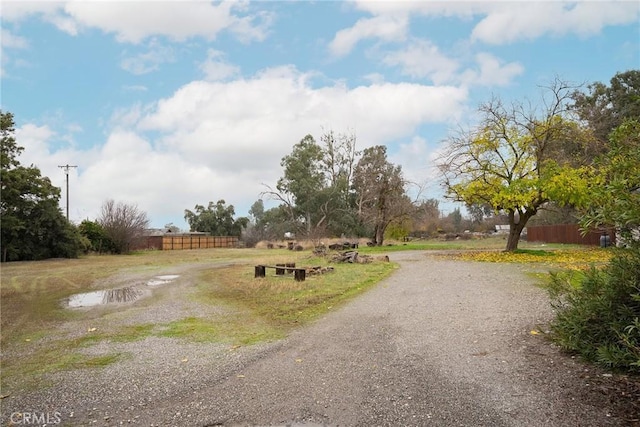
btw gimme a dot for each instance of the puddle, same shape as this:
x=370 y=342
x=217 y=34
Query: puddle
x=108 y=296
x=161 y=280
x=119 y=295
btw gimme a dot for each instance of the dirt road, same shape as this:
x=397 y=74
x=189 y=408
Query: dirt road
x=441 y=342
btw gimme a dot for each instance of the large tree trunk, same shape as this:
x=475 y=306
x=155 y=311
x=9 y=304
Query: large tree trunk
x=515 y=229
x=514 y=237
x=379 y=235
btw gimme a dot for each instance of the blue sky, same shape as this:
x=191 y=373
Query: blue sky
x=176 y=103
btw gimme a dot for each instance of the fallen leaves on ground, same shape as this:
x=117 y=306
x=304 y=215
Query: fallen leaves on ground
x=571 y=259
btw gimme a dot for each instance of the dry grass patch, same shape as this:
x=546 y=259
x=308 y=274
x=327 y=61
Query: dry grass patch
x=283 y=302
x=40 y=335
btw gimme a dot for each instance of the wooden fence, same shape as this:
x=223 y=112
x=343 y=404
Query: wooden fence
x=567 y=233
x=170 y=243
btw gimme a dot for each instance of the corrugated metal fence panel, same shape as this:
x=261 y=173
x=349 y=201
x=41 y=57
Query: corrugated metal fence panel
x=566 y=233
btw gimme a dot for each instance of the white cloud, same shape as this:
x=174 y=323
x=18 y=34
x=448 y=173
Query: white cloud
x=375 y=78
x=11 y=41
x=491 y=71
x=50 y=11
x=34 y=141
x=252 y=27
x=430 y=8
x=216 y=68
x=501 y=22
x=213 y=140
x=19 y=10
x=529 y=20
x=135 y=88
x=135 y=21
x=385 y=27
x=239 y=130
x=38 y=143
x=74 y=128
x=131 y=171
x=148 y=61
x=414 y=156
x=420 y=59
x=125 y=117
x=275 y=109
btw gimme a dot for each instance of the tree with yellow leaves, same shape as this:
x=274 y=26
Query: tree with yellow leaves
x=514 y=161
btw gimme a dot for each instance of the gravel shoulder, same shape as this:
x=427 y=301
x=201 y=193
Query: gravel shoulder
x=441 y=342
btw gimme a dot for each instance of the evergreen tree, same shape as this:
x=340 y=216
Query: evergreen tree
x=32 y=224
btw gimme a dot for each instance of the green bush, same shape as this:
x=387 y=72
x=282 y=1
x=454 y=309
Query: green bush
x=97 y=237
x=599 y=318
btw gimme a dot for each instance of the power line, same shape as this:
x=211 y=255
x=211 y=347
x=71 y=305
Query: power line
x=66 y=169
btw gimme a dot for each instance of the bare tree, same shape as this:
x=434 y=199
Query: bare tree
x=380 y=192
x=123 y=223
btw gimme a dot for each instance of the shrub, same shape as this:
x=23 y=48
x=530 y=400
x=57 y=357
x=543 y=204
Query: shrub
x=123 y=224
x=599 y=318
x=97 y=237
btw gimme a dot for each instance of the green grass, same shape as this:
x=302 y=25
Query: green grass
x=52 y=355
x=488 y=243
x=535 y=252
x=35 y=331
x=275 y=304
x=435 y=244
x=232 y=330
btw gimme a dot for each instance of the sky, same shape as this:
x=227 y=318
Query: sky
x=170 y=104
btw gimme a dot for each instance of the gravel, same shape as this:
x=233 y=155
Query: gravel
x=441 y=342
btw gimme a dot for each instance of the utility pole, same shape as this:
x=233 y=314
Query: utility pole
x=66 y=168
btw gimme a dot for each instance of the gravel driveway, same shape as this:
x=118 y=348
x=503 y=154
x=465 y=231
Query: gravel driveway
x=441 y=342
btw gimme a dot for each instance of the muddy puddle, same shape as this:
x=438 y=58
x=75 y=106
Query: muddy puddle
x=109 y=296
x=119 y=295
x=162 y=280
